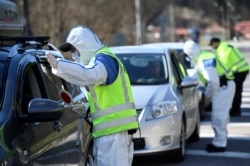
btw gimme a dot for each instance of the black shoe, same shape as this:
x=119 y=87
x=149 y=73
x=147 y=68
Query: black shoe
x=212 y=148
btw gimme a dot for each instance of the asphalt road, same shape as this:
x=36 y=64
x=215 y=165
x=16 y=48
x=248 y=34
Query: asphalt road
x=238 y=149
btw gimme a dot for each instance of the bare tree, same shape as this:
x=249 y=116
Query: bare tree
x=55 y=18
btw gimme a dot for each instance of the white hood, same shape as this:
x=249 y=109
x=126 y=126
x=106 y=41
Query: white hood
x=191 y=49
x=85 y=41
x=149 y=95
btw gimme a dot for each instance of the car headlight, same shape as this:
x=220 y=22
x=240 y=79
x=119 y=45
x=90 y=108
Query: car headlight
x=161 y=109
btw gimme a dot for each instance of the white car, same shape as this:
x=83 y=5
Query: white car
x=204 y=102
x=167 y=106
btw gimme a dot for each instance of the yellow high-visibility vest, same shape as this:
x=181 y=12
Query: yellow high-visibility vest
x=221 y=69
x=232 y=57
x=112 y=106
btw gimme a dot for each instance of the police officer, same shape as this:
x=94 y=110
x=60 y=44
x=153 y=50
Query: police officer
x=232 y=56
x=109 y=93
x=216 y=81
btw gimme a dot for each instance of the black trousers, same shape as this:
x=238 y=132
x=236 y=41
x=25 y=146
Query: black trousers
x=239 y=80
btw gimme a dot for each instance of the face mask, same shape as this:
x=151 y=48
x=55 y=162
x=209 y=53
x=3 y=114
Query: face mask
x=75 y=56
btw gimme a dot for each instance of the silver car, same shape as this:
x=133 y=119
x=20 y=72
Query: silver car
x=204 y=102
x=167 y=104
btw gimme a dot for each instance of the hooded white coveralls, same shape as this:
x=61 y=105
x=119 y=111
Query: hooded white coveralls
x=222 y=97
x=115 y=149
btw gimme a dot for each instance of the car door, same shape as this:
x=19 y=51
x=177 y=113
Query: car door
x=188 y=95
x=37 y=137
x=37 y=81
x=70 y=123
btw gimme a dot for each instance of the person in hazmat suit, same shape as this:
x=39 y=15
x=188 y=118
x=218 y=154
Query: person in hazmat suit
x=216 y=81
x=111 y=102
x=232 y=56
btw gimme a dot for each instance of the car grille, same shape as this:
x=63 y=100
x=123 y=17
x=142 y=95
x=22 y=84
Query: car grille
x=139 y=143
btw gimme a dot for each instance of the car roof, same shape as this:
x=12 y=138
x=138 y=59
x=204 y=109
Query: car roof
x=174 y=45
x=171 y=45
x=11 y=46
x=137 y=49
x=206 y=48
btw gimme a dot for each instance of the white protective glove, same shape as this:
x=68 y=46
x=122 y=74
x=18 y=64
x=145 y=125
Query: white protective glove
x=206 y=89
x=52 y=60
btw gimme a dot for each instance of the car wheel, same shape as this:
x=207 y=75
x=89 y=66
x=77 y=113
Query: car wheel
x=202 y=107
x=12 y=161
x=89 y=159
x=180 y=155
x=3 y=163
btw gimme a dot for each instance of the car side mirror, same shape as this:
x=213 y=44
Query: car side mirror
x=188 y=82
x=43 y=110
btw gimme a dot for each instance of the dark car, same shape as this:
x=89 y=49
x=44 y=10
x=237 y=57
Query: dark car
x=39 y=112
x=42 y=117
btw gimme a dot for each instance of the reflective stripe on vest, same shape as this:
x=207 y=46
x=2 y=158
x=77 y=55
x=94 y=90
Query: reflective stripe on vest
x=240 y=60
x=227 y=72
x=232 y=57
x=113 y=109
x=117 y=122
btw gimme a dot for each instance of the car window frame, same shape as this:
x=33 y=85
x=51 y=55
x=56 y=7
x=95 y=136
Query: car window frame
x=3 y=75
x=176 y=69
x=26 y=65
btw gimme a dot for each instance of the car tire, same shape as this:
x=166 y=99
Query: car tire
x=180 y=155
x=202 y=107
x=89 y=159
x=12 y=161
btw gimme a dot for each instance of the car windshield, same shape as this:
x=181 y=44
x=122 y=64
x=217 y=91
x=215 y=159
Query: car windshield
x=2 y=82
x=145 y=69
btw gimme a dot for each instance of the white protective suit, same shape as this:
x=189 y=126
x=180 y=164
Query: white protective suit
x=222 y=97
x=112 y=150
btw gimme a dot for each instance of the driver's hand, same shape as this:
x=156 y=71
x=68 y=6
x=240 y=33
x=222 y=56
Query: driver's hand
x=52 y=60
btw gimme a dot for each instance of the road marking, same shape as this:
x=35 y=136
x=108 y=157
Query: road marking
x=243 y=124
x=245 y=105
x=233 y=130
x=231 y=137
x=221 y=154
x=243 y=113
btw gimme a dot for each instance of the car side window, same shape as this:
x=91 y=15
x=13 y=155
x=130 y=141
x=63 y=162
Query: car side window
x=177 y=69
x=30 y=86
x=3 y=72
x=38 y=82
x=53 y=83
